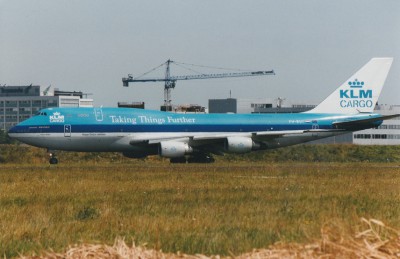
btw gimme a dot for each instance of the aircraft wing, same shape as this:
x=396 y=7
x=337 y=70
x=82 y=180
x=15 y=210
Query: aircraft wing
x=207 y=137
x=210 y=138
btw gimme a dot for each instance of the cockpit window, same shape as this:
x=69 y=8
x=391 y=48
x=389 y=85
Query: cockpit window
x=41 y=114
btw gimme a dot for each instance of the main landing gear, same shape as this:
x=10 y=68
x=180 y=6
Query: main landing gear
x=199 y=158
x=53 y=159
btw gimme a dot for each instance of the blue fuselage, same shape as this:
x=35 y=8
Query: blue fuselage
x=113 y=129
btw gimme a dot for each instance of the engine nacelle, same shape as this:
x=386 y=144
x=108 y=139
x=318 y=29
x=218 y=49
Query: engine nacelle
x=240 y=144
x=173 y=149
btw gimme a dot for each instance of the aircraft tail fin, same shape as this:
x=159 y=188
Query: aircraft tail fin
x=360 y=92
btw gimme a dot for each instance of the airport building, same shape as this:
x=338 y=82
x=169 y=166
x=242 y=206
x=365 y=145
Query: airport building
x=18 y=103
x=261 y=105
x=189 y=108
x=234 y=105
x=388 y=133
x=137 y=105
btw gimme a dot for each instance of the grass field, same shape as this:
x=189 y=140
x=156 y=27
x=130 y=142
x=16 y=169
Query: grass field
x=222 y=208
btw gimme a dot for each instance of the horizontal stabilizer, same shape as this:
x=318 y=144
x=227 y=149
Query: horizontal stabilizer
x=346 y=124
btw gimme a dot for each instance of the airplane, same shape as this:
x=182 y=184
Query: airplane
x=138 y=133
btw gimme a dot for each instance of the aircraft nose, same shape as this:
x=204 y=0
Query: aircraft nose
x=12 y=132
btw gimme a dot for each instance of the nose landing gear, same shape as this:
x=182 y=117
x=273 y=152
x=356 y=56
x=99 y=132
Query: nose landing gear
x=53 y=159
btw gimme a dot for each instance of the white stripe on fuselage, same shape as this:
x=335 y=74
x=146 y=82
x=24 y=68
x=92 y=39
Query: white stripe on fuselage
x=120 y=142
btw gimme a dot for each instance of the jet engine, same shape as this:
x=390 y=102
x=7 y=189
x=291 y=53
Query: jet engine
x=240 y=144
x=172 y=149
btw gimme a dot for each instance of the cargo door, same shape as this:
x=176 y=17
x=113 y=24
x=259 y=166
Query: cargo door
x=315 y=124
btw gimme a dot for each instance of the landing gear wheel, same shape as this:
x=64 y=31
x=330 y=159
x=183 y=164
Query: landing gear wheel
x=53 y=161
x=201 y=159
x=178 y=160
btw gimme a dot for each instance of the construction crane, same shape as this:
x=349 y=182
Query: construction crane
x=170 y=81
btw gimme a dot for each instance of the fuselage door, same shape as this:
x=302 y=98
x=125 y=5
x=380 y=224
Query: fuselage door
x=98 y=113
x=67 y=130
x=315 y=124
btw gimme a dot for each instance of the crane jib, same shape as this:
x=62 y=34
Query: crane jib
x=202 y=76
x=170 y=81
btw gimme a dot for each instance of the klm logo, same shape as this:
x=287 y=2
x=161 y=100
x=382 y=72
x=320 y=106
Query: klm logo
x=356 y=91
x=56 y=117
x=355 y=96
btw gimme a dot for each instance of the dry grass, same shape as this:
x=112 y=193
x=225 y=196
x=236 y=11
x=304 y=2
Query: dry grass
x=225 y=208
x=375 y=241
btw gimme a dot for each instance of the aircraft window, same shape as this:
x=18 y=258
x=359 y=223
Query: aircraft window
x=41 y=114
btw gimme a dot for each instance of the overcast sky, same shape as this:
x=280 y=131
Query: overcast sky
x=89 y=45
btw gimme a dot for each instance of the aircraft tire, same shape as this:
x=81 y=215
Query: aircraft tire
x=205 y=159
x=178 y=160
x=53 y=161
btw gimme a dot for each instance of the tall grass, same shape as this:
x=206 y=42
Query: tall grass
x=221 y=208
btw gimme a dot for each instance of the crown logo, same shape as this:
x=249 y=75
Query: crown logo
x=356 y=84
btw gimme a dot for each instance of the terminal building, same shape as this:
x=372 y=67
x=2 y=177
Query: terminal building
x=18 y=103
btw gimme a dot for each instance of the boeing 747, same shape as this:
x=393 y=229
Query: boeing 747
x=139 y=133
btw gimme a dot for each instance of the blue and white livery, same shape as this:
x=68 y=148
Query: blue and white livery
x=196 y=137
